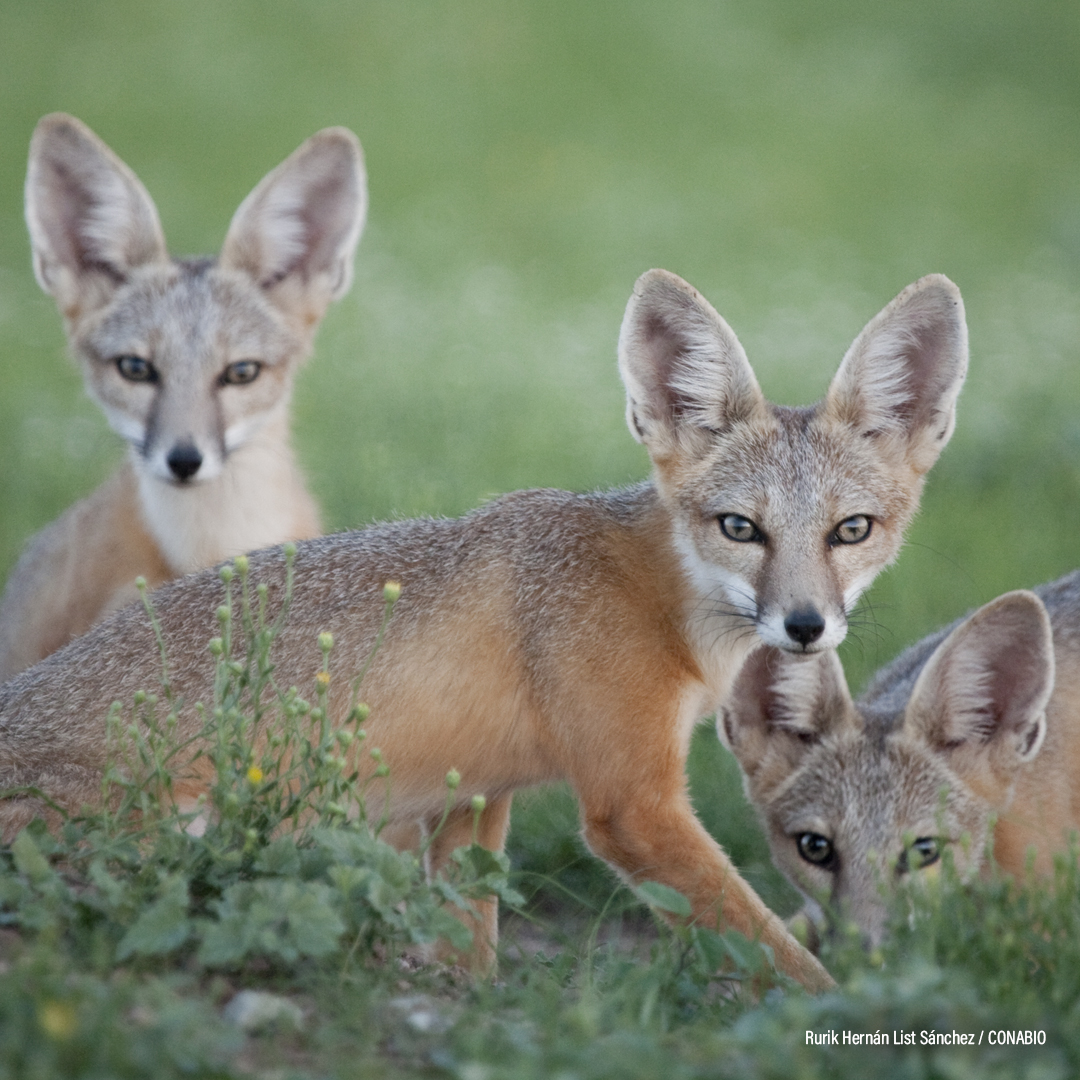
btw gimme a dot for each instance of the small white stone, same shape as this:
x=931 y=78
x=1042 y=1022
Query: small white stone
x=251 y=1010
x=423 y=1015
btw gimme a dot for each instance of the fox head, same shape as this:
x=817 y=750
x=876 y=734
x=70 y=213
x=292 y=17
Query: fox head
x=783 y=516
x=189 y=358
x=859 y=798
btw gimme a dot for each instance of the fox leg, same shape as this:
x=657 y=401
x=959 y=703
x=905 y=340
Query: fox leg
x=457 y=831
x=652 y=834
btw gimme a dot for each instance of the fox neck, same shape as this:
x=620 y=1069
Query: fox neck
x=258 y=499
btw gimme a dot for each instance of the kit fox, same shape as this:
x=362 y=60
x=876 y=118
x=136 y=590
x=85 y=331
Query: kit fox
x=192 y=361
x=554 y=635
x=966 y=723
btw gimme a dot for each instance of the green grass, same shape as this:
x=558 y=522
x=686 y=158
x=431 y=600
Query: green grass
x=799 y=164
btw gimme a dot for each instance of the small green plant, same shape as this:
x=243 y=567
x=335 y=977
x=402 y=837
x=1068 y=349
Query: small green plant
x=274 y=870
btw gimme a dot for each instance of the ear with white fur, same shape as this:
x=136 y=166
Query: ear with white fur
x=781 y=704
x=91 y=221
x=684 y=370
x=297 y=232
x=900 y=379
x=982 y=696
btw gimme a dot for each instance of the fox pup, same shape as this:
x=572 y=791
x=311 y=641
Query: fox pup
x=192 y=361
x=973 y=711
x=552 y=635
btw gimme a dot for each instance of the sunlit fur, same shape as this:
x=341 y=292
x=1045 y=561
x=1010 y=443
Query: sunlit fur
x=99 y=251
x=546 y=635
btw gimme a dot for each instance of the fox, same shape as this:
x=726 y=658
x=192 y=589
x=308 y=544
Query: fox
x=968 y=741
x=192 y=362
x=554 y=635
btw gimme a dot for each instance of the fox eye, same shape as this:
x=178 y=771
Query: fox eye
x=852 y=530
x=136 y=369
x=741 y=530
x=815 y=848
x=923 y=852
x=243 y=371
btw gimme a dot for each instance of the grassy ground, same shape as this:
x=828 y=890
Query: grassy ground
x=798 y=164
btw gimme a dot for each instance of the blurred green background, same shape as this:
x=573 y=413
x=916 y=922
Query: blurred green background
x=799 y=164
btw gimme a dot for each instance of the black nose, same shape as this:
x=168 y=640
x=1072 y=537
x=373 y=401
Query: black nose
x=804 y=626
x=184 y=460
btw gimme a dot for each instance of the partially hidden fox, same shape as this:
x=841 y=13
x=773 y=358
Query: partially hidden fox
x=553 y=635
x=979 y=720
x=192 y=361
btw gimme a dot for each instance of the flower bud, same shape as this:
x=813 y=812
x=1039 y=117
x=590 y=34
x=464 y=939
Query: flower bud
x=453 y=779
x=391 y=591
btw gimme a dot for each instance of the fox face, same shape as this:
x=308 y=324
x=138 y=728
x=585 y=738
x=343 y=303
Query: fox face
x=189 y=359
x=860 y=799
x=187 y=364
x=783 y=516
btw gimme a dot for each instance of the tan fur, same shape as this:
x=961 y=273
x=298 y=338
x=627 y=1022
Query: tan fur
x=548 y=634
x=980 y=718
x=99 y=251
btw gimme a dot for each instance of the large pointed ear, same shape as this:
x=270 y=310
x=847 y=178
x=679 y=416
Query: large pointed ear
x=780 y=705
x=297 y=232
x=982 y=696
x=685 y=372
x=91 y=221
x=900 y=379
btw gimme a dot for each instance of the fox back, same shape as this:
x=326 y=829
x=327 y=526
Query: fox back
x=551 y=634
x=967 y=739
x=192 y=362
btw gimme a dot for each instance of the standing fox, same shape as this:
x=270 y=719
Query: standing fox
x=192 y=361
x=552 y=635
x=973 y=711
